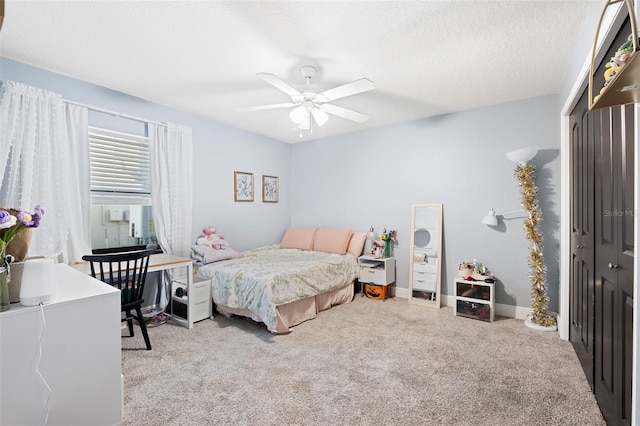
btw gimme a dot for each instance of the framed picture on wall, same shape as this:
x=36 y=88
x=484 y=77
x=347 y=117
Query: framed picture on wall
x=270 y=189
x=243 y=186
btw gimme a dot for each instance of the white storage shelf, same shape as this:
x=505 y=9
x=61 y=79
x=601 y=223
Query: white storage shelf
x=377 y=271
x=195 y=304
x=475 y=299
x=375 y=275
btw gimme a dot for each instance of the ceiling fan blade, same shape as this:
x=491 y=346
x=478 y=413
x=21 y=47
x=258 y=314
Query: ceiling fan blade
x=344 y=113
x=263 y=107
x=279 y=84
x=355 y=87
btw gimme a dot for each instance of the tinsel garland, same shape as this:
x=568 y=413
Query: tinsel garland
x=537 y=271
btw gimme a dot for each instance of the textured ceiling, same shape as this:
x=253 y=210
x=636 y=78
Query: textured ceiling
x=426 y=58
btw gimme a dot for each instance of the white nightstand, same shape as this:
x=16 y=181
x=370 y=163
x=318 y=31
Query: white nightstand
x=376 y=275
x=195 y=303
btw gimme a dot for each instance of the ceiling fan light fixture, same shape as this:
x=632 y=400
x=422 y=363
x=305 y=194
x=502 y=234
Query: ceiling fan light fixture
x=319 y=116
x=305 y=123
x=298 y=114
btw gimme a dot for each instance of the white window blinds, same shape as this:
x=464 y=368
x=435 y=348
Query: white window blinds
x=120 y=168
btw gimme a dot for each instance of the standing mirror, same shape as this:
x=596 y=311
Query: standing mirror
x=426 y=253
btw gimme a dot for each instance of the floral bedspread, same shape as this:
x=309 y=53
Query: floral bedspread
x=270 y=276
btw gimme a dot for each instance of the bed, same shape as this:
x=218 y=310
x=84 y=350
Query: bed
x=285 y=284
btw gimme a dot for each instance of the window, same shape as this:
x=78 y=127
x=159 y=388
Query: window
x=119 y=167
x=121 y=216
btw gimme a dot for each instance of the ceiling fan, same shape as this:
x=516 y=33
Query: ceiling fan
x=312 y=103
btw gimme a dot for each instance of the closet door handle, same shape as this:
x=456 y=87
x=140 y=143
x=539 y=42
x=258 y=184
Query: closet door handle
x=579 y=246
x=612 y=266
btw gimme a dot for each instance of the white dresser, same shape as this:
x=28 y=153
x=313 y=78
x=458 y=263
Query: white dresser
x=81 y=356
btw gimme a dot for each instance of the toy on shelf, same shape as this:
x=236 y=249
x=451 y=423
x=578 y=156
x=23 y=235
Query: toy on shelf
x=211 y=239
x=617 y=62
x=377 y=249
x=622 y=74
x=474 y=271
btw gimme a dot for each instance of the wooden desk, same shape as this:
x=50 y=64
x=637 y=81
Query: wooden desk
x=163 y=262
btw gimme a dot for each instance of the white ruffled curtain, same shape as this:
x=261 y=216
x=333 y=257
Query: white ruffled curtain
x=171 y=152
x=42 y=156
x=78 y=183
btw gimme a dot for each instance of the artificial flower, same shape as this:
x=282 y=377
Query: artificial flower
x=388 y=235
x=14 y=221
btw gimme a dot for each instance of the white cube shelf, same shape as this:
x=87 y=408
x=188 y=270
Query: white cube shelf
x=474 y=299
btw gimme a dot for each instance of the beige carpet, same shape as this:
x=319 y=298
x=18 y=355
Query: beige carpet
x=365 y=363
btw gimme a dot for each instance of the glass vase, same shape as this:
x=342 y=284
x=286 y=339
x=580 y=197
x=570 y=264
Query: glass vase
x=387 y=249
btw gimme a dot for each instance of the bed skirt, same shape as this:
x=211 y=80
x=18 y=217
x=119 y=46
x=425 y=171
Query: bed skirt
x=294 y=313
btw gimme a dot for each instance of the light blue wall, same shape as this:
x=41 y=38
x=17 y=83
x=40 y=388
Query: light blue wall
x=368 y=178
x=373 y=177
x=218 y=151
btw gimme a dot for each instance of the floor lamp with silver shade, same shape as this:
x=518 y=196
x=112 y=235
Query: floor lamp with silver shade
x=539 y=318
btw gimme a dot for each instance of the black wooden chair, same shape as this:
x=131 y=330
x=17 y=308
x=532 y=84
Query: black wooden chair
x=128 y=272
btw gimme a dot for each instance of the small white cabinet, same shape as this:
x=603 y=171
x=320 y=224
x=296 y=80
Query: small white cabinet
x=377 y=271
x=375 y=275
x=192 y=303
x=475 y=299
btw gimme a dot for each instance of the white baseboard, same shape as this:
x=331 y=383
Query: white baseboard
x=402 y=293
x=517 y=312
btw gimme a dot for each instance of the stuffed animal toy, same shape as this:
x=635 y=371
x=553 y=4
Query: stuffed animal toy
x=211 y=239
x=622 y=56
x=615 y=64
x=208 y=230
